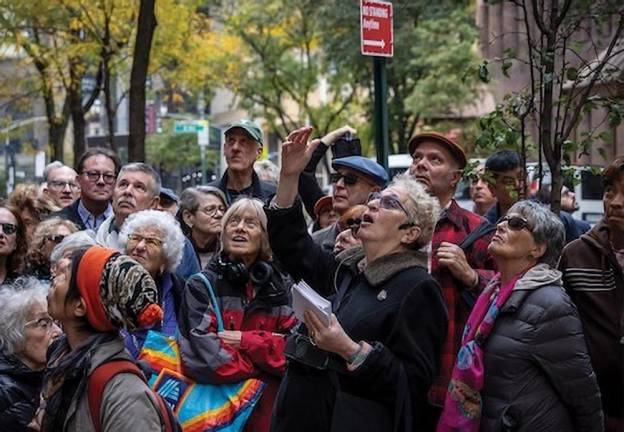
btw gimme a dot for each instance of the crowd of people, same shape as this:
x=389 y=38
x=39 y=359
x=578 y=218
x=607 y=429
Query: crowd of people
x=508 y=318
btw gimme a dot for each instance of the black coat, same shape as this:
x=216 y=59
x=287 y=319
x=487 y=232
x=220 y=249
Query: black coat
x=538 y=374
x=71 y=213
x=19 y=393
x=262 y=190
x=394 y=305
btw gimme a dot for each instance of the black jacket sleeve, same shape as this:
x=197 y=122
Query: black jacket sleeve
x=309 y=189
x=412 y=349
x=297 y=252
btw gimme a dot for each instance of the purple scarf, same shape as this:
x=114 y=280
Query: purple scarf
x=462 y=406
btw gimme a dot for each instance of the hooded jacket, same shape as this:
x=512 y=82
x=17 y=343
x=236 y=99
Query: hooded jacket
x=594 y=280
x=19 y=393
x=538 y=374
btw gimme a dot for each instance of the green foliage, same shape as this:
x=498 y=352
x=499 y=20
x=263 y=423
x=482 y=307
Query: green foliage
x=443 y=49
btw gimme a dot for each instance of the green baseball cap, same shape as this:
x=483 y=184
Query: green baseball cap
x=252 y=129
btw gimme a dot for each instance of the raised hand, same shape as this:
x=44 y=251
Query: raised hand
x=296 y=152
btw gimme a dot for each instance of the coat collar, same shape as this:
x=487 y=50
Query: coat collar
x=384 y=268
x=535 y=278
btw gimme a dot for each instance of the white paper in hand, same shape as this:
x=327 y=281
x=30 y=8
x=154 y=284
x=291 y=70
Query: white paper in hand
x=306 y=299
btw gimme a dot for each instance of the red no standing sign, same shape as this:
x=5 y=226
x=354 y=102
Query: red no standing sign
x=376 y=28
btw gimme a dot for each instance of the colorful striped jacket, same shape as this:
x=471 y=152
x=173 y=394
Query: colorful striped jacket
x=263 y=319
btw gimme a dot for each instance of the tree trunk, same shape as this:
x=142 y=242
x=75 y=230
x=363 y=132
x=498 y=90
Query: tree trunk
x=142 y=47
x=74 y=94
x=109 y=106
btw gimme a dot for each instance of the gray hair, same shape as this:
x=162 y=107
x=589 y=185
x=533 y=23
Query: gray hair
x=424 y=208
x=51 y=167
x=16 y=302
x=144 y=168
x=546 y=228
x=189 y=198
x=267 y=171
x=256 y=208
x=71 y=243
x=173 y=244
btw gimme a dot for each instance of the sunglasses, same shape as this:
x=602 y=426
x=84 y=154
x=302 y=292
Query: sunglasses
x=349 y=179
x=354 y=225
x=9 y=228
x=516 y=223
x=58 y=238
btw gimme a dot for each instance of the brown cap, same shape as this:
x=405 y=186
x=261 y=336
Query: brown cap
x=456 y=151
x=322 y=202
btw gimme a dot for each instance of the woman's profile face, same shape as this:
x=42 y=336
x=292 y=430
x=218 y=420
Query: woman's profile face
x=243 y=236
x=513 y=238
x=385 y=215
x=58 y=290
x=8 y=233
x=345 y=240
x=39 y=332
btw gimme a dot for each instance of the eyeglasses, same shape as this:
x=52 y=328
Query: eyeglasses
x=213 y=209
x=8 y=228
x=349 y=179
x=150 y=242
x=247 y=222
x=354 y=225
x=94 y=176
x=388 y=202
x=56 y=238
x=61 y=184
x=516 y=223
x=45 y=323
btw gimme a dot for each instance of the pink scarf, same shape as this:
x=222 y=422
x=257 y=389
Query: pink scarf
x=462 y=406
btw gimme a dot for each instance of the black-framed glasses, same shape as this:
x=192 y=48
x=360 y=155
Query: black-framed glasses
x=57 y=238
x=150 y=242
x=388 y=202
x=516 y=223
x=349 y=179
x=213 y=209
x=8 y=228
x=62 y=184
x=94 y=176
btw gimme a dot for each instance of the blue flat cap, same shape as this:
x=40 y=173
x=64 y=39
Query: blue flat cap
x=169 y=194
x=369 y=168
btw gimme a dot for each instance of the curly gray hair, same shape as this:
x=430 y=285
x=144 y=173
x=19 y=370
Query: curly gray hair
x=425 y=209
x=546 y=228
x=16 y=302
x=173 y=244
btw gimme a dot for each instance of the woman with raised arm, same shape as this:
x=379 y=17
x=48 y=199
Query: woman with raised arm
x=371 y=366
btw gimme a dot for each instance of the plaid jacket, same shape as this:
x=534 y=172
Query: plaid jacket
x=453 y=227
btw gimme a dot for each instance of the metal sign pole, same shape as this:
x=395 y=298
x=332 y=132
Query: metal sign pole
x=381 y=111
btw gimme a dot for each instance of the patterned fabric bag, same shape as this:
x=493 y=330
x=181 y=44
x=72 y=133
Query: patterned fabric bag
x=198 y=407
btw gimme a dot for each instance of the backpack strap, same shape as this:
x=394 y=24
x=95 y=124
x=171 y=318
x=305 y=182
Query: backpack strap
x=100 y=378
x=484 y=229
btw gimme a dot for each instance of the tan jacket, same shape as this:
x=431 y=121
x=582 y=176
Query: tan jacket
x=128 y=404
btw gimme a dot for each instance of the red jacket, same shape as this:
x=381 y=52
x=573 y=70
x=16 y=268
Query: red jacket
x=262 y=318
x=454 y=226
